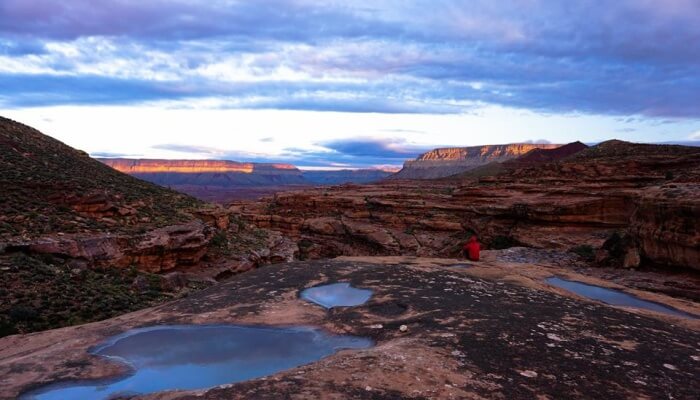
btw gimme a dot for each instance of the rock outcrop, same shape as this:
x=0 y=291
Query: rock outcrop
x=648 y=192
x=444 y=162
x=159 y=250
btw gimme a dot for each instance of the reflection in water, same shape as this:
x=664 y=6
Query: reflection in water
x=200 y=356
x=615 y=297
x=336 y=295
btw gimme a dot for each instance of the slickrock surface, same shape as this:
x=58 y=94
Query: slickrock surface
x=444 y=162
x=491 y=330
x=619 y=203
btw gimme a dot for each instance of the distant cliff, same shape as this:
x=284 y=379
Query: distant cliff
x=444 y=162
x=217 y=173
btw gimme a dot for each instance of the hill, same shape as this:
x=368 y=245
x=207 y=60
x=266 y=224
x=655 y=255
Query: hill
x=48 y=187
x=80 y=241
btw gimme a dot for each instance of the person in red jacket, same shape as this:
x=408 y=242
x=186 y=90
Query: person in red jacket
x=472 y=249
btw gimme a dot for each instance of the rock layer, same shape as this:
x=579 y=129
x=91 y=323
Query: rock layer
x=649 y=193
x=220 y=173
x=444 y=162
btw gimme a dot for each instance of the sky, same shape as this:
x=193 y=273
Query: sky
x=347 y=83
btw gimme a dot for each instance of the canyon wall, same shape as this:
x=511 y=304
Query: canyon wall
x=218 y=173
x=648 y=196
x=444 y=162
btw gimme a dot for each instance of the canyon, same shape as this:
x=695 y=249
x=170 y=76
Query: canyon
x=88 y=252
x=223 y=181
x=618 y=203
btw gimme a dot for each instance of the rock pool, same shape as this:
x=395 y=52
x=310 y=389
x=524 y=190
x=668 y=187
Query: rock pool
x=614 y=297
x=336 y=295
x=200 y=356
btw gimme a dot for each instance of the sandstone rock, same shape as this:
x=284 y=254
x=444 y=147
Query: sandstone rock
x=450 y=161
x=581 y=200
x=154 y=251
x=632 y=258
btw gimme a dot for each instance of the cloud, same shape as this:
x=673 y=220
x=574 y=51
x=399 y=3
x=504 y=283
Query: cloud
x=628 y=57
x=385 y=148
x=694 y=136
x=358 y=152
x=104 y=154
x=190 y=149
x=538 y=141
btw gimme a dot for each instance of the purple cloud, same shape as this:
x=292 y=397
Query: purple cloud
x=439 y=56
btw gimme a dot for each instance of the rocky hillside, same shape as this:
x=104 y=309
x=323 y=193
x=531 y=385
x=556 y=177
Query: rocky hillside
x=48 y=187
x=616 y=203
x=444 y=162
x=81 y=241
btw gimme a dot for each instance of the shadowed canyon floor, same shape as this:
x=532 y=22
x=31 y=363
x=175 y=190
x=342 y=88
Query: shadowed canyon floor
x=493 y=329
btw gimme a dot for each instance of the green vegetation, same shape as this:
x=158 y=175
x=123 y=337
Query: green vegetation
x=45 y=293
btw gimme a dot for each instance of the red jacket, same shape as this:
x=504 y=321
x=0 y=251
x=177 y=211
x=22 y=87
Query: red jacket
x=472 y=248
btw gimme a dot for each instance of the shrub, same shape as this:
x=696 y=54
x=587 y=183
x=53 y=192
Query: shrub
x=584 y=251
x=219 y=239
x=23 y=313
x=502 y=242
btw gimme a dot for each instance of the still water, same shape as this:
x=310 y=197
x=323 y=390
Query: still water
x=200 y=356
x=336 y=295
x=614 y=297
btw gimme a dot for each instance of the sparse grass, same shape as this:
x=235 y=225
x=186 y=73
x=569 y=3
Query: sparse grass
x=44 y=182
x=39 y=295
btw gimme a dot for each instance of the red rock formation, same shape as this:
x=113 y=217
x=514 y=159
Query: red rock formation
x=140 y=166
x=444 y=162
x=580 y=200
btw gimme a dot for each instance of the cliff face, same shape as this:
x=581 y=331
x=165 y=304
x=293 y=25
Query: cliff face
x=647 y=194
x=444 y=162
x=187 y=175
x=218 y=173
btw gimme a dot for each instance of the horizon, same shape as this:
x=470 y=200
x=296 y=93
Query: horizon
x=347 y=85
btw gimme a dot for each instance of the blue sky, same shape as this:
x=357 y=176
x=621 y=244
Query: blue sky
x=347 y=83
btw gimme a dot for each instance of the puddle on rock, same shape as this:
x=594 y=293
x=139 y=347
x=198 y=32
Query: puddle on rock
x=615 y=297
x=336 y=295
x=189 y=357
